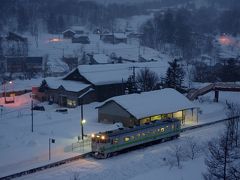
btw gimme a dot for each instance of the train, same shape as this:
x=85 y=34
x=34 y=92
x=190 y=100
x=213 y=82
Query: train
x=109 y=143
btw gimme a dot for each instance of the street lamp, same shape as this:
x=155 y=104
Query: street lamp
x=82 y=121
x=5 y=91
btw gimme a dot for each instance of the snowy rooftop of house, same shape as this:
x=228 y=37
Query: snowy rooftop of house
x=74 y=86
x=116 y=73
x=77 y=28
x=68 y=30
x=153 y=103
x=120 y=35
x=101 y=58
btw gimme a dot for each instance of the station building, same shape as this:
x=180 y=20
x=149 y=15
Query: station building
x=138 y=109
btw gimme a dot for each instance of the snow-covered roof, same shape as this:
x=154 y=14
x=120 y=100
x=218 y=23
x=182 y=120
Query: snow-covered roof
x=101 y=74
x=153 y=103
x=74 y=86
x=101 y=58
x=77 y=28
x=68 y=30
x=120 y=35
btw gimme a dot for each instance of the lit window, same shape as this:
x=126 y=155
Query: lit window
x=115 y=141
x=143 y=134
x=126 y=139
x=71 y=103
x=172 y=126
x=138 y=134
x=132 y=137
x=162 y=129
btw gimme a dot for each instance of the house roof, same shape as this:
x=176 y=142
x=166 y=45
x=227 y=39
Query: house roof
x=68 y=30
x=120 y=35
x=152 y=103
x=103 y=74
x=74 y=86
x=101 y=58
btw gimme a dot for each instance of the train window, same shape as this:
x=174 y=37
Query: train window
x=126 y=139
x=143 y=134
x=132 y=137
x=138 y=135
x=162 y=129
x=158 y=130
x=172 y=126
x=115 y=141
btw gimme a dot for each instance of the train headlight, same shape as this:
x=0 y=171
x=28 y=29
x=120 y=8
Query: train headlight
x=93 y=135
x=102 y=137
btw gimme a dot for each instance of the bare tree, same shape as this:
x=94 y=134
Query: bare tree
x=175 y=156
x=192 y=148
x=75 y=176
x=223 y=159
x=147 y=80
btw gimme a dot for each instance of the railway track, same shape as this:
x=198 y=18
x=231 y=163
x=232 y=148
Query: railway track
x=75 y=158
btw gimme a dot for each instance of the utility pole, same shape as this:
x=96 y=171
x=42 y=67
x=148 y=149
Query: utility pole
x=81 y=119
x=133 y=77
x=32 y=112
x=4 y=89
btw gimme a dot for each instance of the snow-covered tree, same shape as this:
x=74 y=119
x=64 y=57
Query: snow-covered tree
x=174 y=75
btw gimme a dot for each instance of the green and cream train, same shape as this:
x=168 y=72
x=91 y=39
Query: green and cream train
x=105 y=144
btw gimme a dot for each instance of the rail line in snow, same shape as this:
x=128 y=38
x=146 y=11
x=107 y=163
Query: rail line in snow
x=75 y=158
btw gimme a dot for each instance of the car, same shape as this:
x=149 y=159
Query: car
x=38 y=108
x=62 y=110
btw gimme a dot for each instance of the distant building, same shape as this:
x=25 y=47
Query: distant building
x=115 y=38
x=138 y=109
x=68 y=34
x=72 y=31
x=82 y=39
x=65 y=93
x=72 y=62
x=25 y=65
x=99 y=59
x=78 y=29
x=14 y=45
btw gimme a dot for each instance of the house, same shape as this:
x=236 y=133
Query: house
x=137 y=109
x=91 y=83
x=15 y=37
x=110 y=80
x=22 y=64
x=72 y=62
x=78 y=29
x=72 y=31
x=14 y=45
x=114 y=38
x=99 y=59
x=82 y=39
x=68 y=34
x=120 y=38
x=66 y=93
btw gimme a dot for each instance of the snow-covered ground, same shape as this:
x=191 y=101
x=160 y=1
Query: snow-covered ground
x=147 y=163
x=21 y=149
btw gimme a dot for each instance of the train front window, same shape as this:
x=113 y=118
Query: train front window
x=126 y=139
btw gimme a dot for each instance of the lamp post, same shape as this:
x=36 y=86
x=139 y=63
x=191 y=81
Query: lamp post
x=82 y=121
x=51 y=140
x=31 y=112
